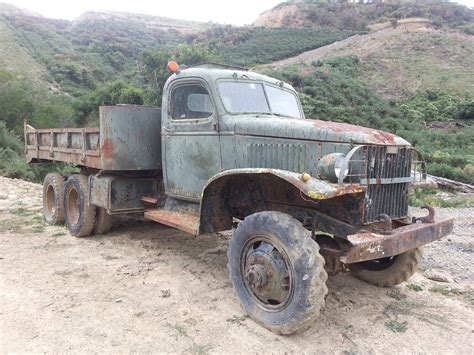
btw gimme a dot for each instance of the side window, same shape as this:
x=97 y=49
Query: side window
x=190 y=102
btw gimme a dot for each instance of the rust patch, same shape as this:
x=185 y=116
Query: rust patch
x=379 y=136
x=370 y=246
x=108 y=150
x=186 y=222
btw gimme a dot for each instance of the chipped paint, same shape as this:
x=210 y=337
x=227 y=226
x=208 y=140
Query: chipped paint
x=316 y=195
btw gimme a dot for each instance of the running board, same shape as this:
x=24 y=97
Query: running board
x=185 y=222
x=150 y=200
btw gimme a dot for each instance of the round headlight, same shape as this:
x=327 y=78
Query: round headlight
x=330 y=167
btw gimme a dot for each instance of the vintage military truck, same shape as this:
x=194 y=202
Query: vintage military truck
x=231 y=149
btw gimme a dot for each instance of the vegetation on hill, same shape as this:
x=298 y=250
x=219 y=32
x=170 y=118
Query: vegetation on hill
x=247 y=46
x=348 y=16
x=116 y=59
x=438 y=123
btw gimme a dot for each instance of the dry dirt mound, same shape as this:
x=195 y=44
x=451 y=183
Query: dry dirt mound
x=396 y=62
x=281 y=16
x=147 y=288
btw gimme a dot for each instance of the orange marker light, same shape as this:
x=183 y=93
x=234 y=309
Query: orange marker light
x=173 y=66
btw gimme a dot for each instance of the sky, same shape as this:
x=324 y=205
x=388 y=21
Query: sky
x=236 y=12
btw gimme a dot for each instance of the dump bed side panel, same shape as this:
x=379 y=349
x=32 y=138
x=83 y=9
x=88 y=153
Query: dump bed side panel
x=130 y=137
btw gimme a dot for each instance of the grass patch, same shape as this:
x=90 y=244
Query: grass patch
x=445 y=290
x=415 y=287
x=11 y=226
x=111 y=257
x=21 y=211
x=430 y=196
x=448 y=291
x=59 y=234
x=236 y=319
x=396 y=326
x=200 y=349
x=179 y=329
x=469 y=297
x=396 y=294
x=37 y=219
x=38 y=229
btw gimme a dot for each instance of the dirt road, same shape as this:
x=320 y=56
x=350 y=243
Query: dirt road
x=147 y=288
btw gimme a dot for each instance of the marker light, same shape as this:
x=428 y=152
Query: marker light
x=173 y=66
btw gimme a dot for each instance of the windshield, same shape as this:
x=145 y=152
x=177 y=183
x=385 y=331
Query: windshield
x=242 y=97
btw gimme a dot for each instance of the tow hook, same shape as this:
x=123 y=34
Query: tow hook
x=426 y=219
x=386 y=224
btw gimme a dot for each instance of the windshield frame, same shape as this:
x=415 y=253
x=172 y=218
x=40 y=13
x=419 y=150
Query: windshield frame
x=264 y=84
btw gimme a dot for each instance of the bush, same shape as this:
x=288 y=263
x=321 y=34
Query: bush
x=87 y=109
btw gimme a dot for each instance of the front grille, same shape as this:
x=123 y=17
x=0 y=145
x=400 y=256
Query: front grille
x=387 y=198
x=383 y=164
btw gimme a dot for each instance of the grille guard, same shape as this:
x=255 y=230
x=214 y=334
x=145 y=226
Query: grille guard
x=386 y=172
x=360 y=174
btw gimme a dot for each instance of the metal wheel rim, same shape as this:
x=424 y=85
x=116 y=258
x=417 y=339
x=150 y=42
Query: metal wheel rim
x=250 y=245
x=74 y=206
x=50 y=201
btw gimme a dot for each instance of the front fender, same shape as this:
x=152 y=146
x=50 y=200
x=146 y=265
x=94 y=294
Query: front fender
x=314 y=188
x=214 y=216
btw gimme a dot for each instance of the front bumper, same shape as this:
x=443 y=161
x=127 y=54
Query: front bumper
x=370 y=246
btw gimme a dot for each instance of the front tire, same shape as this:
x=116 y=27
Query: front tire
x=389 y=271
x=79 y=213
x=277 y=271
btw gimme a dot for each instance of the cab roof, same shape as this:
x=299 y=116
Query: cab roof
x=214 y=71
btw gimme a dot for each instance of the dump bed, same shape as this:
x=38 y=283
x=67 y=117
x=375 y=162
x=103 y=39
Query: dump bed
x=128 y=139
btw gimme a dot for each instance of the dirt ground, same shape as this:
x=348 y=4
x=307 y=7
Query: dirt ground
x=147 y=288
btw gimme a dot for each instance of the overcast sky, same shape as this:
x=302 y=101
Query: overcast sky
x=237 y=12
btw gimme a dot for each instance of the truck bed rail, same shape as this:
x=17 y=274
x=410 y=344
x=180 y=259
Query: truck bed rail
x=78 y=146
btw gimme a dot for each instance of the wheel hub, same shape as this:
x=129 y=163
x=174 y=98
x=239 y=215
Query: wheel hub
x=256 y=276
x=266 y=274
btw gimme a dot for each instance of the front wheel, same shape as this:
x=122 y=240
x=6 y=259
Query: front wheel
x=277 y=271
x=390 y=271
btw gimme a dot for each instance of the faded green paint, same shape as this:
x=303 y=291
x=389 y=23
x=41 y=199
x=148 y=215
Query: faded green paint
x=129 y=137
x=197 y=150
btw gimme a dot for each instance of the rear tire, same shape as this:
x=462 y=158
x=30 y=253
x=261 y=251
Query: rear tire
x=389 y=271
x=103 y=221
x=79 y=213
x=277 y=272
x=53 y=199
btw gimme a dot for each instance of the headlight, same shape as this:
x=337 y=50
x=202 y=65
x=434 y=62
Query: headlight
x=330 y=167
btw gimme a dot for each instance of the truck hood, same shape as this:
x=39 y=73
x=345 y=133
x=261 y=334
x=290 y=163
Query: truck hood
x=307 y=129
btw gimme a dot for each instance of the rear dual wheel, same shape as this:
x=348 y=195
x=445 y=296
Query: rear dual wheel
x=53 y=199
x=79 y=213
x=68 y=201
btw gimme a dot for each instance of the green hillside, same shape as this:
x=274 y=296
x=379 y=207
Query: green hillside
x=57 y=73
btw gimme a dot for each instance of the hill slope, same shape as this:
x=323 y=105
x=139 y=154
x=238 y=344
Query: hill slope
x=351 y=16
x=17 y=59
x=383 y=79
x=397 y=62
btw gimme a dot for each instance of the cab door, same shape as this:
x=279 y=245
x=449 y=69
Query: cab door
x=190 y=139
